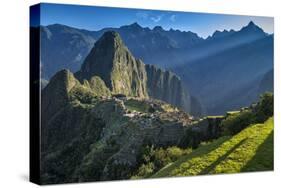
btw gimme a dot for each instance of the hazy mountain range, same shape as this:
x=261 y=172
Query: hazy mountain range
x=225 y=71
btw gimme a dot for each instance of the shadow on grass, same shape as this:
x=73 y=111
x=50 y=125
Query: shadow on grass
x=223 y=157
x=263 y=160
x=203 y=150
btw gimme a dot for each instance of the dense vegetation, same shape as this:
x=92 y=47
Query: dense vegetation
x=154 y=159
x=235 y=122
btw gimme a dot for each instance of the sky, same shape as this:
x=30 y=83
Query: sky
x=95 y=18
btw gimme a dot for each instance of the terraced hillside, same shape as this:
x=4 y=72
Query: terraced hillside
x=249 y=150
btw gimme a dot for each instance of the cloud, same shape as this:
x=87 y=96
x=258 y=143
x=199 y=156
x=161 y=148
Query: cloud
x=173 y=18
x=156 y=18
x=142 y=15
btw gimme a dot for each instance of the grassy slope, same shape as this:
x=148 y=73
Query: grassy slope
x=249 y=150
x=135 y=105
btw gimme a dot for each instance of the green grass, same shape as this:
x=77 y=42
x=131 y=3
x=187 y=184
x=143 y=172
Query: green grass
x=232 y=112
x=135 y=105
x=249 y=150
x=214 y=117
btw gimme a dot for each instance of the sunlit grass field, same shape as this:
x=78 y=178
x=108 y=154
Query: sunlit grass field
x=249 y=150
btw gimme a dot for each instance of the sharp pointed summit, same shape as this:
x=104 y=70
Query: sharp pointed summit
x=135 y=24
x=252 y=28
x=121 y=72
x=251 y=23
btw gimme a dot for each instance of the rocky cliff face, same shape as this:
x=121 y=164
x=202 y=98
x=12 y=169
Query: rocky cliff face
x=166 y=86
x=111 y=60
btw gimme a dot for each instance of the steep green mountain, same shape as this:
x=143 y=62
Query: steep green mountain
x=111 y=60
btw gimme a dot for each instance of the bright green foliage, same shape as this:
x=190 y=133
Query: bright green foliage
x=232 y=112
x=236 y=122
x=265 y=107
x=98 y=86
x=250 y=150
x=137 y=105
x=154 y=159
x=83 y=94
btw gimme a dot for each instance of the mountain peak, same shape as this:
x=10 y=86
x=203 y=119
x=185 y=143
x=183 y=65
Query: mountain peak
x=251 y=24
x=111 y=35
x=135 y=25
x=218 y=34
x=102 y=55
x=252 y=27
x=111 y=60
x=158 y=28
x=110 y=39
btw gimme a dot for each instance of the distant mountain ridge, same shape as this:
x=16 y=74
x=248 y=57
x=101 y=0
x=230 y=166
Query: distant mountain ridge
x=67 y=47
x=72 y=44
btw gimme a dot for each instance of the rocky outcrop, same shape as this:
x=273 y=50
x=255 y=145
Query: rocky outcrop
x=111 y=60
x=166 y=86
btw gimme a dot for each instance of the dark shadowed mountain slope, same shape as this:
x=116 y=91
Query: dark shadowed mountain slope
x=227 y=76
x=63 y=47
x=218 y=43
x=266 y=83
